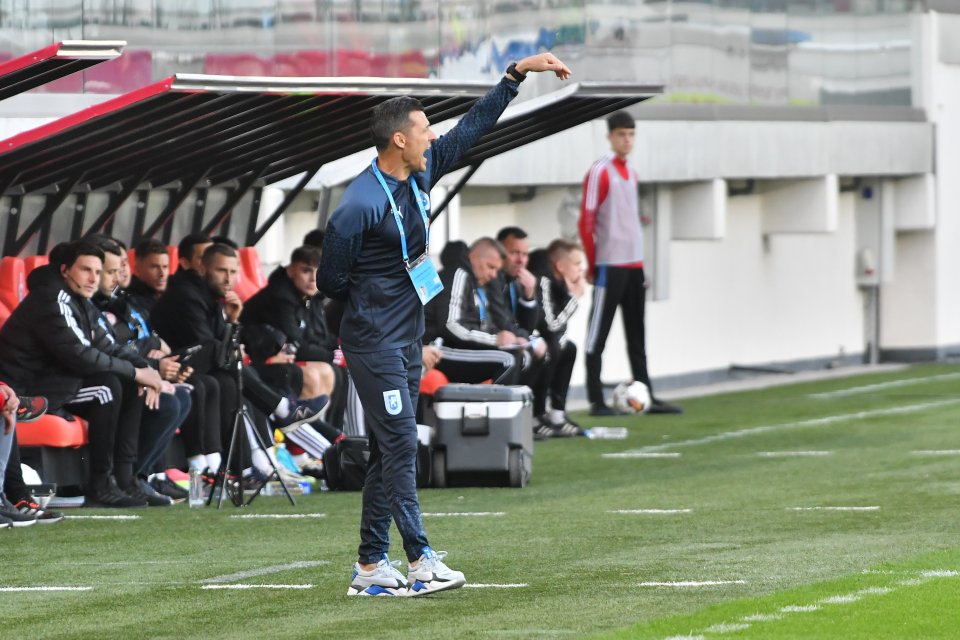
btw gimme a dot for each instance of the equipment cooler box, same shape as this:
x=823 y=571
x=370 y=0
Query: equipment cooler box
x=484 y=435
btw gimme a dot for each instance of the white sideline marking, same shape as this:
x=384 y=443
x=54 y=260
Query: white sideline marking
x=875 y=591
x=762 y=617
x=852 y=391
x=686 y=638
x=799 y=608
x=939 y=574
x=727 y=627
x=257 y=586
x=103 y=517
x=457 y=514
x=850 y=597
x=277 y=516
x=640 y=454
x=262 y=571
x=936 y=452
x=650 y=511
x=910 y=582
x=814 y=422
x=870 y=508
x=519 y=585
x=691 y=583
x=27 y=589
x=793 y=454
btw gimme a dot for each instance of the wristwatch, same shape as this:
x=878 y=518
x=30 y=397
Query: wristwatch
x=516 y=75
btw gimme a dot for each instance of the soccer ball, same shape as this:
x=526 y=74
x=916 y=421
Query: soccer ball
x=631 y=397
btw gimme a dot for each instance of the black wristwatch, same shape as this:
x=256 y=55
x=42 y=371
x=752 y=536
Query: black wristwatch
x=516 y=75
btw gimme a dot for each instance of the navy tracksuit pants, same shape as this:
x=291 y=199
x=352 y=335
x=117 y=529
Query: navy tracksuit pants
x=388 y=384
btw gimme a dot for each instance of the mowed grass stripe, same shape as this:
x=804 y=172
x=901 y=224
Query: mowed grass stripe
x=850 y=607
x=582 y=565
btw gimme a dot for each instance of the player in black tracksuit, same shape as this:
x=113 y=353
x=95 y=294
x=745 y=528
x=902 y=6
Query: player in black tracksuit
x=54 y=346
x=553 y=267
x=462 y=317
x=374 y=238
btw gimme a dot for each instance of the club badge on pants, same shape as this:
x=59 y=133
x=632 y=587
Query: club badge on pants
x=392 y=402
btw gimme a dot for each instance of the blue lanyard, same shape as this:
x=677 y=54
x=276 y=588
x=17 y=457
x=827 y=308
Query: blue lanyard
x=482 y=306
x=513 y=296
x=396 y=212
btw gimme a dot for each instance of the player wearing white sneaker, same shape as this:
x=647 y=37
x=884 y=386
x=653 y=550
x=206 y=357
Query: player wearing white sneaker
x=429 y=574
x=382 y=580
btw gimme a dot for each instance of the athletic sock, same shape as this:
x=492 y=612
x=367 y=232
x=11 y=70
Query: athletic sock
x=213 y=460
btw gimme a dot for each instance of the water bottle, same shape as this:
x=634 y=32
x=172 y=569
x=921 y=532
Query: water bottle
x=607 y=433
x=196 y=499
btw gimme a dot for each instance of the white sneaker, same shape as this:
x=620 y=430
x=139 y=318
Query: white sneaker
x=383 y=580
x=432 y=575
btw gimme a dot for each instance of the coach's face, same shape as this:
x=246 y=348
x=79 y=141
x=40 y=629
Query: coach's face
x=485 y=263
x=518 y=255
x=110 y=275
x=83 y=276
x=415 y=140
x=154 y=269
x=221 y=273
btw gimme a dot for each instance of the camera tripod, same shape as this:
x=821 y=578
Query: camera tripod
x=241 y=417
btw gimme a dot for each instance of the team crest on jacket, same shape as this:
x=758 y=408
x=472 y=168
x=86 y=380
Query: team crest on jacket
x=425 y=201
x=392 y=402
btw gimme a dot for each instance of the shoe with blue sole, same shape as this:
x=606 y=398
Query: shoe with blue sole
x=431 y=575
x=382 y=580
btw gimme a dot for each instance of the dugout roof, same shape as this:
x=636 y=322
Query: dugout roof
x=53 y=62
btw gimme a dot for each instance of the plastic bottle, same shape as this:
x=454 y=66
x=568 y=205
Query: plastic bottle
x=196 y=498
x=607 y=433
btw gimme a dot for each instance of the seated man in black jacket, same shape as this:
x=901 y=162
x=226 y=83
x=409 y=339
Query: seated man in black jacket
x=283 y=323
x=474 y=349
x=561 y=281
x=54 y=346
x=201 y=308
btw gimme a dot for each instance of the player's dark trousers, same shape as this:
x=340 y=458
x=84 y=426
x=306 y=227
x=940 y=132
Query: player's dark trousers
x=554 y=379
x=616 y=287
x=201 y=430
x=112 y=408
x=158 y=427
x=388 y=383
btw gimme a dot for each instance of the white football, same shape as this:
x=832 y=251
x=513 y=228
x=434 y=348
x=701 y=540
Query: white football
x=631 y=397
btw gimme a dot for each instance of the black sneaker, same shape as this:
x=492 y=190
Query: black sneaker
x=141 y=489
x=567 y=429
x=169 y=488
x=301 y=412
x=108 y=494
x=542 y=430
x=11 y=513
x=31 y=508
x=659 y=406
x=602 y=410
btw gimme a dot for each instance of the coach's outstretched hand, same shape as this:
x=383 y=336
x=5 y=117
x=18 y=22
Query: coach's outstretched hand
x=544 y=62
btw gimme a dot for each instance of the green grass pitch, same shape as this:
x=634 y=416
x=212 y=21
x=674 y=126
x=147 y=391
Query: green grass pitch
x=817 y=510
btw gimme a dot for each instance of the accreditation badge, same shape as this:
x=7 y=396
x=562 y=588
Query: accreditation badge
x=426 y=280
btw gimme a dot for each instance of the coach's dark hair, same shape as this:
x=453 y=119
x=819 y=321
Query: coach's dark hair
x=306 y=255
x=510 y=232
x=620 y=120
x=189 y=241
x=315 y=238
x=391 y=116
x=217 y=249
x=224 y=240
x=70 y=252
x=149 y=247
x=105 y=244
